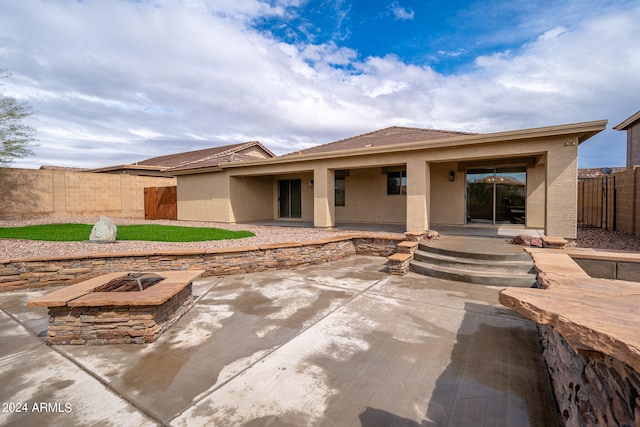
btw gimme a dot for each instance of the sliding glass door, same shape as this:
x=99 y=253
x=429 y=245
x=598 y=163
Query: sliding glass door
x=290 y=198
x=496 y=195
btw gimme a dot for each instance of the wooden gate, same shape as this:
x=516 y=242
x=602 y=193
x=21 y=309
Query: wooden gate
x=161 y=203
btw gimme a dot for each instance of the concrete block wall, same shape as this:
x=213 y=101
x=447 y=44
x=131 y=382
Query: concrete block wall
x=593 y=211
x=32 y=192
x=628 y=201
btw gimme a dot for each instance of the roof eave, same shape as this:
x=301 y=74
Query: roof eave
x=584 y=130
x=127 y=167
x=194 y=171
x=628 y=122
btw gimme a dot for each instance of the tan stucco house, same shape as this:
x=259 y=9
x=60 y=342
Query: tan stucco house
x=417 y=178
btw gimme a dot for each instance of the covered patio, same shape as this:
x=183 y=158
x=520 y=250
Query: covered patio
x=413 y=178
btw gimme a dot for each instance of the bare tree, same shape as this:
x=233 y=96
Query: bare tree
x=15 y=136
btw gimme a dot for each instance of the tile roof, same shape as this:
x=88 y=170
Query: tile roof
x=598 y=172
x=207 y=157
x=211 y=161
x=388 y=136
x=212 y=155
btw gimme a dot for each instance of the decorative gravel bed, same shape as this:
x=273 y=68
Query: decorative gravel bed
x=607 y=239
x=264 y=235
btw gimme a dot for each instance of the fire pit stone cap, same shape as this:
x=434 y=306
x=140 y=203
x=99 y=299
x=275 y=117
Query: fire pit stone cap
x=81 y=294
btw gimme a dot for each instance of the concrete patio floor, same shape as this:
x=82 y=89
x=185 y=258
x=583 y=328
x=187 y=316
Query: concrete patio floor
x=338 y=344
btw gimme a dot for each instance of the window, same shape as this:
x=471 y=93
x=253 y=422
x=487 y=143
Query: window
x=397 y=182
x=340 y=195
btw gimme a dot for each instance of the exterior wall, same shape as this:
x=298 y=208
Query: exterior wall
x=255 y=152
x=251 y=198
x=204 y=197
x=366 y=199
x=447 y=197
x=633 y=145
x=28 y=192
x=306 y=194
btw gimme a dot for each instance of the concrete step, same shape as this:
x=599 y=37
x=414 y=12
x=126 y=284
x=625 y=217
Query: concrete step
x=462 y=261
x=486 y=261
x=483 y=276
x=488 y=252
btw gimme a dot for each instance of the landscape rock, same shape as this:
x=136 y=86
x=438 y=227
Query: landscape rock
x=526 y=240
x=432 y=235
x=104 y=230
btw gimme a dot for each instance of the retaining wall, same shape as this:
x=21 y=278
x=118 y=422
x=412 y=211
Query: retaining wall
x=591 y=388
x=589 y=335
x=38 y=272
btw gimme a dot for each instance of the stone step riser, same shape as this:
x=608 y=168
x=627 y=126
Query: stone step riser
x=519 y=280
x=496 y=266
x=477 y=256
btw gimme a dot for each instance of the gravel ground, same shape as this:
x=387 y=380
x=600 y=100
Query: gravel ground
x=264 y=235
x=607 y=239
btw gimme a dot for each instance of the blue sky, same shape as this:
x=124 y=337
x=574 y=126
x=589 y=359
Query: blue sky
x=444 y=35
x=116 y=81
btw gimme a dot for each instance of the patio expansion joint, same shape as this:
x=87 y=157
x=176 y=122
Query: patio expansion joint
x=80 y=366
x=448 y=307
x=209 y=392
x=108 y=386
x=21 y=324
x=16 y=355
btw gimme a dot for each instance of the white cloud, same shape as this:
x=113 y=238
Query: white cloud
x=179 y=75
x=401 y=13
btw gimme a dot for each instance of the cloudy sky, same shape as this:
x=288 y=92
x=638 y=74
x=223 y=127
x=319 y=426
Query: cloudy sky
x=116 y=81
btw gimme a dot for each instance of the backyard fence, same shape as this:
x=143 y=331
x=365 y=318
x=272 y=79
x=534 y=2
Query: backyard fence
x=34 y=192
x=610 y=202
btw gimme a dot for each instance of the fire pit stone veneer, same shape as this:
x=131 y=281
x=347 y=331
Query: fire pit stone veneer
x=79 y=314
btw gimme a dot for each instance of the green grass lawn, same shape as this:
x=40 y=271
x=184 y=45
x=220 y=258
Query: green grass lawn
x=148 y=232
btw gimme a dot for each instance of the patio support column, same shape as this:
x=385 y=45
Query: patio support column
x=561 y=207
x=323 y=197
x=418 y=194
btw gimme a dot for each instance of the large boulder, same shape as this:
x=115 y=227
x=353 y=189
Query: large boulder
x=105 y=230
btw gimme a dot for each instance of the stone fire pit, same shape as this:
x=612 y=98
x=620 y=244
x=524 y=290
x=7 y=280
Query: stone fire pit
x=118 y=308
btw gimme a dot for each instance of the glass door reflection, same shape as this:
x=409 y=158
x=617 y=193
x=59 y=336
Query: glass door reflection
x=496 y=195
